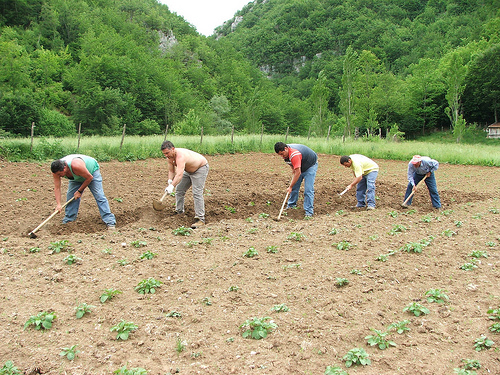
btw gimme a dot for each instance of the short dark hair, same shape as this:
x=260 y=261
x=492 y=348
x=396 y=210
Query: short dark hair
x=167 y=145
x=57 y=166
x=279 y=146
x=344 y=159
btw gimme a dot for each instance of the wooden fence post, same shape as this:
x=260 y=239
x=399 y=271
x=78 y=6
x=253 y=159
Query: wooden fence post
x=201 y=138
x=286 y=136
x=32 y=133
x=166 y=132
x=329 y=129
x=232 y=135
x=79 y=133
x=123 y=135
x=261 y=133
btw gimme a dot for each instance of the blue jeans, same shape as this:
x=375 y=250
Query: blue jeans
x=308 y=176
x=431 y=185
x=365 y=190
x=102 y=203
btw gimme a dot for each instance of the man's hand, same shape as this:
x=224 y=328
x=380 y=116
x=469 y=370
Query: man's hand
x=169 y=189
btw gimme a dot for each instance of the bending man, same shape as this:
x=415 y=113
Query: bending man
x=304 y=164
x=82 y=171
x=365 y=172
x=186 y=168
x=418 y=168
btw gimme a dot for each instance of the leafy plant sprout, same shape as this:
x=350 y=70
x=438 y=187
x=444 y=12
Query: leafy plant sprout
x=139 y=243
x=471 y=364
x=449 y=233
x=174 y=314
x=230 y=209
x=296 y=236
x=400 y=327
x=233 y=288
x=397 y=228
x=355 y=271
x=132 y=371
x=379 y=339
x=427 y=218
x=495 y=313
x=495 y=327
x=251 y=252
x=382 y=258
x=258 y=328
x=340 y=282
x=41 y=321
x=436 y=295
x=123 y=329
x=494 y=210
x=34 y=249
x=458 y=223
x=280 y=308
x=70 y=353
x=415 y=247
x=83 y=309
x=356 y=356
x=491 y=244
x=9 y=369
x=122 y=262
x=58 y=246
x=393 y=214
x=416 y=309
x=249 y=220
x=253 y=230
x=263 y=215
x=272 y=249
x=478 y=254
x=482 y=343
x=335 y=370
x=182 y=231
x=334 y=231
x=148 y=255
x=207 y=301
x=71 y=259
x=469 y=266
x=148 y=286
x=462 y=371
x=180 y=345
x=342 y=245
x=109 y=294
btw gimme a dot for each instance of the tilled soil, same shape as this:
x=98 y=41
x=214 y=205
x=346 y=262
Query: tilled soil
x=191 y=325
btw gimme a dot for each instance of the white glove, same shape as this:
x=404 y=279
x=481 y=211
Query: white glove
x=169 y=189
x=170 y=182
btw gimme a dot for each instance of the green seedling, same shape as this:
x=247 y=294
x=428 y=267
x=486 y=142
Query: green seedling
x=416 y=309
x=436 y=295
x=398 y=228
x=58 y=246
x=340 y=282
x=70 y=353
x=34 y=250
x=42 y=321
x=379 y=339
x=373 y=237
x=249 y=220
x=415 y=247
x=250 y=253
x=174 y=314
x=83 y=309
x=494 y=210
x=132 y=371
x=462 y=371
x=257 y=328
x=123 y=329
x=355 y=271
x=427 y=218
x=482 y=343
x=272 y=249
x=148 y=286
x=71 y=259
x=471 y=364
x=449 y=233
x=122 y=262
x=469 y=266
x=458 y=223
x=120 y=200
x=335 y=370
x=382 y=258
x=263 y=215
x=296 y=236
x=253 y=230
x=182 y=231
x=495 y=328
x=339 y=213
x=138 y=243
x=393 y=214
x=342 y=245
x=107 y=251
x=109 y=294
x=148 y=255
x=9 y=369
x=356 y=356
x=400 y=327
x=207 y=301
x=495 y=314
x=490 y=244
x=280 y=308
x=478 y=254
x=179 y=345
x=334 y=231
x=230 y=209
x=233 y=288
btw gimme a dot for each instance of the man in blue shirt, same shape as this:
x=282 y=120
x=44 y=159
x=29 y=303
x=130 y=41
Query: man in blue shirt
x=418 y=168
x=304 y=164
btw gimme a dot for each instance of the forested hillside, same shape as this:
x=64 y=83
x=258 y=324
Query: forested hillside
x=313 y=66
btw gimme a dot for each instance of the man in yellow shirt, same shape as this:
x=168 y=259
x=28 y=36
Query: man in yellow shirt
x=365 y=172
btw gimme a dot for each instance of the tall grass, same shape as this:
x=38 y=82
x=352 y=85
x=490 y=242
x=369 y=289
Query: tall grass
x=137 y=147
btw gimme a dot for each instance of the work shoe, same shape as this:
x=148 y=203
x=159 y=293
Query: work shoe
x=178 y=212
x=111 y=228
x=197 y=224
x=357 y=207
x=404 y=205
x=370 y=208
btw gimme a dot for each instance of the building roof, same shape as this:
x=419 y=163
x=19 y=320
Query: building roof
x=494 y=125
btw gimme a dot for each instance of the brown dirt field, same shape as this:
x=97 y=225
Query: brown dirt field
x=323 y=322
